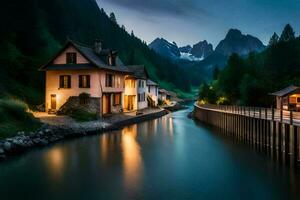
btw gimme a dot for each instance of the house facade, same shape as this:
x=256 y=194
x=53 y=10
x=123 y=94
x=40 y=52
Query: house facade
x=88 y=77
x=135 y=95
x=152 y=93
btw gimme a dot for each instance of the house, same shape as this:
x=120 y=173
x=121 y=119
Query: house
x=288 y=98
x=136 y=88
x=162 y=95
x=152 y=94
x=84 y=76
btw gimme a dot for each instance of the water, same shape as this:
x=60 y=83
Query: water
x=168 y=158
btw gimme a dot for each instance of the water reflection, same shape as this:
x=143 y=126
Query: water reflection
x=55 y=161
x=132 y=159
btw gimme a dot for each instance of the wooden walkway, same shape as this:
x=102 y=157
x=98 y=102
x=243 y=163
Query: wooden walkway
x=284 y=116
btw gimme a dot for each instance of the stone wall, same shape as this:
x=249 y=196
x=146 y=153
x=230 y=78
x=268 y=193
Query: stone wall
x=92 y=105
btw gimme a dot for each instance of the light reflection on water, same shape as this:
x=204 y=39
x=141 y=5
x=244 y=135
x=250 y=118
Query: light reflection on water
x=168 y=158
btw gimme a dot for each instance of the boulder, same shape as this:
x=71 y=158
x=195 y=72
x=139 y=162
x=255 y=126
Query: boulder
x=7 y=146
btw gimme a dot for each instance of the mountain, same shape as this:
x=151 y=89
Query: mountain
x=202 y=49
x=165 y=48
x=37 y=29
x=236 y=42
x=171 y=51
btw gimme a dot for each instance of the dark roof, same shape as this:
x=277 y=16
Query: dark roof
x=139 y=71
x=162 y=91
x=99 y=61
x=286 y=91
x=151 y=83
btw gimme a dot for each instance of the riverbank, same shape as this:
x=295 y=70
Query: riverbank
x=58 y=128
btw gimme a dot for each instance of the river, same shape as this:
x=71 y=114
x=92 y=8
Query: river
x=172 y=157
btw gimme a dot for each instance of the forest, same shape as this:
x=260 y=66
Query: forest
x=249 y=80
x=38 y=29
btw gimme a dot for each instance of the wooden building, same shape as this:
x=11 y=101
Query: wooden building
x=288 y=98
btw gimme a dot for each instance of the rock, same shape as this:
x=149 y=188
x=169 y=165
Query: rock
x=7 y=146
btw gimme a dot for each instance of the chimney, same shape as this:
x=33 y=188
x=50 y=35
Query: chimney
x=98 y=46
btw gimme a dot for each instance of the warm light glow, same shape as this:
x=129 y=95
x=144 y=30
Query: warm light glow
x=55 y=161
x=132 y=159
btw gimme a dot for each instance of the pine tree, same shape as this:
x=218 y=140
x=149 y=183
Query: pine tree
x=123 y=27
x=113 y=18
x=274 y=39
x=288 y=34
x=216 y=72
x=132 y=34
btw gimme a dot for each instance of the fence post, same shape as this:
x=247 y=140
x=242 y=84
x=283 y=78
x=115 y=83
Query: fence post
x=266 y=113
x=291 y=117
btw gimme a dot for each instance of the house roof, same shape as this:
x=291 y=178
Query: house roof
x=151 y=83
x=98 y=61
x=286 y=91
x=139 y=71
x=162 y=91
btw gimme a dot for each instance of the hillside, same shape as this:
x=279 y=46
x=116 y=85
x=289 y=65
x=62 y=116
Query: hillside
x=248 y=80
x=39 y=28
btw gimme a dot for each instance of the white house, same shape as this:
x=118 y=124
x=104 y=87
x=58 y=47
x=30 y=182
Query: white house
x=135 y=95
x=152 y=93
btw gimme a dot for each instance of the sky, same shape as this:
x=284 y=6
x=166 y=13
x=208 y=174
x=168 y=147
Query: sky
x=190 y=21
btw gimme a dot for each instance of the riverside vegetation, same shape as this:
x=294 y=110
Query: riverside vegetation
x=249 y=80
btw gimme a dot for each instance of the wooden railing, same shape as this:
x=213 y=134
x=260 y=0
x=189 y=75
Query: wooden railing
x=288 y=117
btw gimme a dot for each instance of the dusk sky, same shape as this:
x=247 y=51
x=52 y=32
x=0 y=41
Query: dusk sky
x=189 y=21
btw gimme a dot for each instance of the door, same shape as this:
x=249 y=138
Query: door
x=53 y=101
x=130 y=102
x=106 y=104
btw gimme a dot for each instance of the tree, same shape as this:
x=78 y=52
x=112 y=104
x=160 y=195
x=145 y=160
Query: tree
x=288 y=34
x=123 y=27
x=132 y=34
x=274 y=40
x=113 y=18
x=216 y=72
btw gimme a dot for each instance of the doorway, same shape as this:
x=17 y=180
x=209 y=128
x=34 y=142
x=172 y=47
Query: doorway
x=53 y=102
x=106 y=103
x=129 y=102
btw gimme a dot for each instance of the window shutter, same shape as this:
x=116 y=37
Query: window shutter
x=88 y=79
x=69 y=81
x=61 y=81
x=80 y=81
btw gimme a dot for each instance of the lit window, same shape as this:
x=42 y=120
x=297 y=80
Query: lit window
x=84 y=81
x=65 y=81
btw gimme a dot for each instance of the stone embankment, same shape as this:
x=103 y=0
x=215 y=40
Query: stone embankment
x=49 y=133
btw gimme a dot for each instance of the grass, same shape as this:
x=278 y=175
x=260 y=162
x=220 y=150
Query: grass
x=14 y=118
x=82 y=115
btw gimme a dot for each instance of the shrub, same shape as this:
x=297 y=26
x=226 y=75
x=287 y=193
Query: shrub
x=82 y=115
x=14 y=118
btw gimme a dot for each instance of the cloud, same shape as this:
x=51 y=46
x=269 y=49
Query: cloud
x=163 y=7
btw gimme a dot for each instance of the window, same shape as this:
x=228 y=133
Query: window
x=298 y=99
x=149 y=89
x=141 y=83
x=118 y=82
x=84 y=81
x=71 y=58
x=130 y=83
x=141 y=97
x=109 y=81
x=117 y=99
x=65 y=81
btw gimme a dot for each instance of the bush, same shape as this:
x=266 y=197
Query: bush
x=80 y=114
x=14 y=118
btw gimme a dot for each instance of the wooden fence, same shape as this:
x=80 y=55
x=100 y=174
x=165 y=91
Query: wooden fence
x=275 y=131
